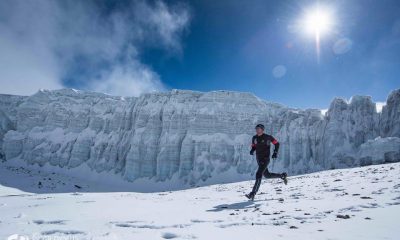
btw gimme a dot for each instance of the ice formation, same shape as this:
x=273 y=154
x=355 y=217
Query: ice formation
x=192 y=135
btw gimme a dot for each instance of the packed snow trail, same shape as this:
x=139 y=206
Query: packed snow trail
x=359 y=203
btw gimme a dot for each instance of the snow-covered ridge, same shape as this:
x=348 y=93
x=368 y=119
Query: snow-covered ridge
x=191 y=135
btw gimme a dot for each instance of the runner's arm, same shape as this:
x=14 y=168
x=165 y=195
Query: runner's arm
x=276 y=144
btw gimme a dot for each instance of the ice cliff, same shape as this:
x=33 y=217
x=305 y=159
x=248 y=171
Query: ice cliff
x=192 y=135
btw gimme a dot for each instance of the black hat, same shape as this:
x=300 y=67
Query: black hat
x=260 y=126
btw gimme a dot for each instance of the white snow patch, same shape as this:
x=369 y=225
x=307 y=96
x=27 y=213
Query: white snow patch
x=312 y=206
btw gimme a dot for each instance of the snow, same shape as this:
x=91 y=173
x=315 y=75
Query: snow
x=358 y=203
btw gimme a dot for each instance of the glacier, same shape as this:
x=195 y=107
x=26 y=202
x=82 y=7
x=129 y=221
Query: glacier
x=192 y=136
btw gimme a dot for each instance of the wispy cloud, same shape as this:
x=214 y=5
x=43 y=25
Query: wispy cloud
x=91 y=44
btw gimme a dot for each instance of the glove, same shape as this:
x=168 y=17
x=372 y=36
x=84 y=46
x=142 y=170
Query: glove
x=274 y=155
x=251 y=152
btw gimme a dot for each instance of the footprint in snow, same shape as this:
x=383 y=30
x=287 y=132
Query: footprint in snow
x=343 y=216
x=393 y=203
x=365 y=197
x=168 y=235
x=89 y=201
x=351 y=209
x=21 y=215
x=34 y=205
x=52 y=222
x=62 y=232
x=239 y=205
x=396 y=198
x=341 y=194
x=132 y=224
x=380 y=191
x=334 y=190
x=197 y=221
x=41 y=198
x=279 y=223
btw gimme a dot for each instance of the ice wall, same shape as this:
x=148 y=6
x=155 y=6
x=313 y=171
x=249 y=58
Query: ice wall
x=8 y=114
x=192 y=135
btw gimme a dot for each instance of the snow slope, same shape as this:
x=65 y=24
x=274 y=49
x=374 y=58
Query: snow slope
x=359 y=203
x=192 y=136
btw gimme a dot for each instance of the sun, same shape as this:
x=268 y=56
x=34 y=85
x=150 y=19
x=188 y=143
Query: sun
x=318 y=21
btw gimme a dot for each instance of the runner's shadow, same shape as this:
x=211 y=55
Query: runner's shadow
x=238 y=205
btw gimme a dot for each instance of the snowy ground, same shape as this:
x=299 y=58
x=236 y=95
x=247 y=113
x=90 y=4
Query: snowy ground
x=360 y=203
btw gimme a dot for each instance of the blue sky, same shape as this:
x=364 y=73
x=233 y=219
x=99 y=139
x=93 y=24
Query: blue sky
x=132 y=47
x=236 y=44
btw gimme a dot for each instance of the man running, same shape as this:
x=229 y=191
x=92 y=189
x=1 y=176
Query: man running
x=261 y=144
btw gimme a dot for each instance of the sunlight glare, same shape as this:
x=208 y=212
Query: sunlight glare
x=318 y=21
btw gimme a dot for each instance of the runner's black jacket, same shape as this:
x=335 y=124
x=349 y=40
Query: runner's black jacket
x=262 y=144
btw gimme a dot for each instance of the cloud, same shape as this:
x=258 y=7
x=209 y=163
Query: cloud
x=93 y=45
x=127 y=80
x=379 y=106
